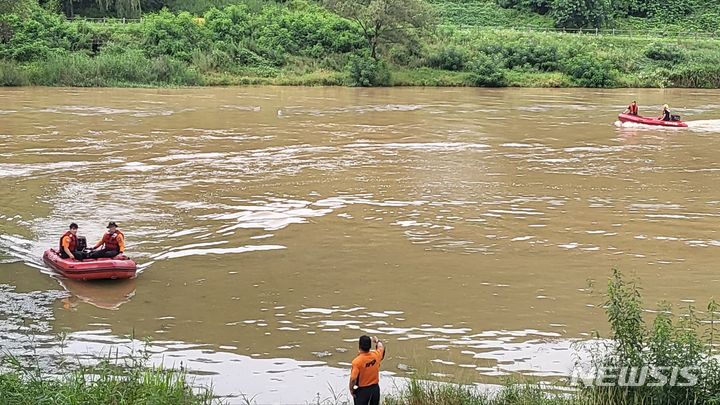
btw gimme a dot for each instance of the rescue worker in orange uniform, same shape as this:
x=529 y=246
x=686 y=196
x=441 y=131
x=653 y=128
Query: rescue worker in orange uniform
x=632 y=109
x=113 y=243
x=365 y=372
x=69 y=245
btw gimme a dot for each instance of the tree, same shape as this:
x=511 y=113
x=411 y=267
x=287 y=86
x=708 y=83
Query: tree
x=123 y=8
x=16 y=6
x=580 y=13
x=384 y=21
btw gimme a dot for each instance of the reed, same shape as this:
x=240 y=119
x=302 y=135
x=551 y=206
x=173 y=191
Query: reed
x=110 y=381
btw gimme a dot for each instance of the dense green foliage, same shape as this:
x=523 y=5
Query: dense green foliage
x=171 y=48
x=684 y=14
x=302 y=42
x=580 y=13
x=384 y=21
x=486 y=71
x=366 y=71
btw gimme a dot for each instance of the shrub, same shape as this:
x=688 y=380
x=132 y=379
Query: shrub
x=196 y=7
x=231 y=24
x=11 y=74
x=34 y=37
x=165 y=69
x=662 y=51
x=532 y=54
x=537 y=6
x=703 y=75
x=487 y=72
x=66 y=69
x=167 y=34
x=580 y=13
x=312 y=31
x=213 y=61
x=365 y=71
x=447 y=58
x=587 y=71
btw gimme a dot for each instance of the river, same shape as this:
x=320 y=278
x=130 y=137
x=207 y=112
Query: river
x=472 y=229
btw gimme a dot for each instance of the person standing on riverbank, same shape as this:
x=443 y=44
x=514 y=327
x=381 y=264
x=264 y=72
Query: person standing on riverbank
x=365 y=372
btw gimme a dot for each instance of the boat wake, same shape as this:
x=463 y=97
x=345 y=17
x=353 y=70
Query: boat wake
x=637 y=125
x=704 y=125
x=708 y=126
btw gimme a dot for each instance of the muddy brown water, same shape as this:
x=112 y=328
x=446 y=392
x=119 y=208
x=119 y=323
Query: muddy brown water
x=273 y=226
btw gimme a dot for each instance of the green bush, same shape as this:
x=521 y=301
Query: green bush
x=167 y=70
x=580 y=13
x=537 y=6
x=447 y=58
x=588 y=71
x=662 y=51
x=11 y=74
x=175 y=35
x=365 y=71
x=487 y=72
x=279 y=31
x=196 y=7
x=696 y=75
x=532 y=55
x=33 y=37
x=231 y=24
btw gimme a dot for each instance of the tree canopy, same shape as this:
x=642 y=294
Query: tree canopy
x=384 y=21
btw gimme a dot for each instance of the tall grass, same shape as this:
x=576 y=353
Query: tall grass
x=419 y=392
x=123 y=69
x=108 y=382
x=12 y=74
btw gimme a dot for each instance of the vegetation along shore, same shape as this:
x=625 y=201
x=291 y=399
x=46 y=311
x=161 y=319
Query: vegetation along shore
x=669 y=340
x=359 y=43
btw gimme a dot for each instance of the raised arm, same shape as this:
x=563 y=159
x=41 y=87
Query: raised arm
x=379 y=347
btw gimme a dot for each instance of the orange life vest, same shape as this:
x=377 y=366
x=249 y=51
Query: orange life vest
x=73 y=241
x=110 y=240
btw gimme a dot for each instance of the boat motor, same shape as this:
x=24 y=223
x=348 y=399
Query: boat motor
x=81 y=244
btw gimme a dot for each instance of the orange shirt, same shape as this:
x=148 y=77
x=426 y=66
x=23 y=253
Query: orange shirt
x=366 y=367
x=119 y=237
x=66 y=241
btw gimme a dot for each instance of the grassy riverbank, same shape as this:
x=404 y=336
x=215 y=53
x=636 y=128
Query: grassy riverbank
x=302 y=43
x=668 y=341
x=104 y=383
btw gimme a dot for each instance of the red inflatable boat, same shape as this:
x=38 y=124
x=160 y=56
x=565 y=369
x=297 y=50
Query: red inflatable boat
x=91 y=269
x=650 y=121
